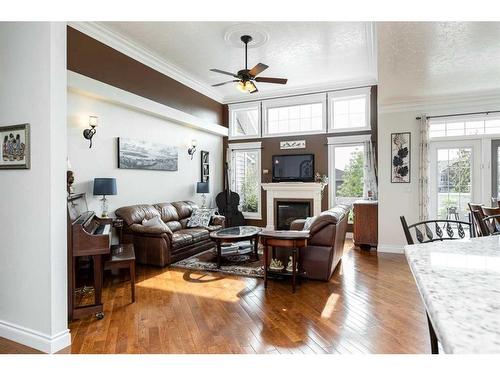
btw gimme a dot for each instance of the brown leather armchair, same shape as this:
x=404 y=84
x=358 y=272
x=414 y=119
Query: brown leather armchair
x=171 y=242
x=326 y=244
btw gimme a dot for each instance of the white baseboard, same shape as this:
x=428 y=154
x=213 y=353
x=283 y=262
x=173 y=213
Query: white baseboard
x=35 y=339
x=388 y=248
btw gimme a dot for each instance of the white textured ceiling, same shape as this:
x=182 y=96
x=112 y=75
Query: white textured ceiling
x=417 y=60
x=310 y=54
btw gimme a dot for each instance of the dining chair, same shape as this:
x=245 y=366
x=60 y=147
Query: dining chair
x=492 y=223
x=476 y=223
x=435 y=230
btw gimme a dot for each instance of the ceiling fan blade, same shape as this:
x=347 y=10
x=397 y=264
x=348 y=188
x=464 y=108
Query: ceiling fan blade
x=224 y=72
x=254 y=89
x=280 y=81
x=223 y=83
x=259 y=68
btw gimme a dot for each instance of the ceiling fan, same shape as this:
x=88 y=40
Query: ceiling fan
x=246 y=78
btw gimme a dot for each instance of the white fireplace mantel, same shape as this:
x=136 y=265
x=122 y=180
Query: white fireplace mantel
x=291 y=190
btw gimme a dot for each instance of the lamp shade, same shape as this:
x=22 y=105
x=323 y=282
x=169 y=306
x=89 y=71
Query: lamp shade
x=104 y=186
x=202 y=187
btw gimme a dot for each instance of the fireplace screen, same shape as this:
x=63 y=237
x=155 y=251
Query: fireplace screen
x=288 y=211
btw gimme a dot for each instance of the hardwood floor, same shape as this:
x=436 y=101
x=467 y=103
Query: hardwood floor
x=370 y=305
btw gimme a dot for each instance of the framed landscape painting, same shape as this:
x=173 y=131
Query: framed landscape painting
x=400 y=157
x=139 y=154
x=15 y=152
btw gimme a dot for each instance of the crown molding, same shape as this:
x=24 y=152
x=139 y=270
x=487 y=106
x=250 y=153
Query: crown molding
x=304 y=90
x=433 y=104
x=122 y=44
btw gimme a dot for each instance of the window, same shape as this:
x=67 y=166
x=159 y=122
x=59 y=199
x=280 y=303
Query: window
x=455 y=178
x=349 y=110
x=464 y=127
x=346 y=169
x=244 y=120
x=298 y=115
x=245 y=177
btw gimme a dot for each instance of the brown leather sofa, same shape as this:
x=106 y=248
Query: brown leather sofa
x=160 y=246
x=326 y=244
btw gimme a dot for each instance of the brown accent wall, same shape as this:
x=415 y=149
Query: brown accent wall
x=96 y=60
x=316 y=144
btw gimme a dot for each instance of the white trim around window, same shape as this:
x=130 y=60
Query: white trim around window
x=333 y=96
x=291 y=102
x=248 y=146
x=349 y=140
x=233 y=109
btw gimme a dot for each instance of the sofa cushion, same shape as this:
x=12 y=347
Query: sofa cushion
x=181 y=240
x=198 y=234
x=174 y=225
x=167 y=211
x=184 y=208
x=136 y=214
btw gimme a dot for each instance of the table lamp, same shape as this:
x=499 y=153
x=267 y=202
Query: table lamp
x=104 y=186
x=202 y=188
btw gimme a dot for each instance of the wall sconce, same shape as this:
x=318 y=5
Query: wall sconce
x=89 y=133
x=192 y=149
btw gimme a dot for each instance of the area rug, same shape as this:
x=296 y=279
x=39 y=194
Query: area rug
x=238 y=264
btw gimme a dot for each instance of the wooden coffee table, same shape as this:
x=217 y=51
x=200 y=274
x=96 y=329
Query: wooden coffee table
x=235 y=234
x=291 y=239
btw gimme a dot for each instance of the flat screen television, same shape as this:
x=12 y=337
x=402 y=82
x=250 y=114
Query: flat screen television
x=293 y=168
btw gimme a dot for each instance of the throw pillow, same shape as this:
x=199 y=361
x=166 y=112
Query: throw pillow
x=155 y=221
x=308 y=222
x=200 y=217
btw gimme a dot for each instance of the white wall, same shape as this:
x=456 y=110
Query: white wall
x=136 y=186
x=33 y=289
x=402 y=199
x=396 y=199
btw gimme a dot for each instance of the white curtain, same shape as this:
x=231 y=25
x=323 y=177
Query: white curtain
x=423 y=172
x=370 y=172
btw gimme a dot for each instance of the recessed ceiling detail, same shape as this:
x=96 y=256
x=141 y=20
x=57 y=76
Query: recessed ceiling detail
x=259 y=35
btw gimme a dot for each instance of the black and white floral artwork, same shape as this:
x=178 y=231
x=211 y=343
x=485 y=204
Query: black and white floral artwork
x=400 y=157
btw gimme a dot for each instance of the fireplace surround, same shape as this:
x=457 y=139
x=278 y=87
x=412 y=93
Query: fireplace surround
x=291 y=191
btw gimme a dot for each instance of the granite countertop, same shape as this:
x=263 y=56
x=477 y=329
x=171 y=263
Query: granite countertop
x=459 y=282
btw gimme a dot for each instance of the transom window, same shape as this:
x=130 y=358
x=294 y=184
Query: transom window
x=298 y=115
x=293 y=119
x=350 y=110
x=244 y=121
x=462 y=127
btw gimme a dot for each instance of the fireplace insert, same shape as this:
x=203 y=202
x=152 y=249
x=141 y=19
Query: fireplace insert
x=288 y=211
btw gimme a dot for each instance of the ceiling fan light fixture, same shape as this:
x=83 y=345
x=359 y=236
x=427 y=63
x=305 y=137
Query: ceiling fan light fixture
x=241 y=86
x=246 y=86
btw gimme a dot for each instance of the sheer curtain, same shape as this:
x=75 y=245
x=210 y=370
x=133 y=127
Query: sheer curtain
x=423 y=172
x=370 y=172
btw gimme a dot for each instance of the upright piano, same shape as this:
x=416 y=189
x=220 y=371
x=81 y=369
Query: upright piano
x=90 y=236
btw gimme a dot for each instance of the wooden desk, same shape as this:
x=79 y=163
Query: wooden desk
x=293 y=240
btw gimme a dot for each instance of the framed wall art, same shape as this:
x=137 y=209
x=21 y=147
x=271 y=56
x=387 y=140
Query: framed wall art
x=205 y=166
x=400 y=157
x=15 y=152
x=139 y=154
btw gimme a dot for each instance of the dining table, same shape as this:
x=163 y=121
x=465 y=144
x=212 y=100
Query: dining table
x=459 y=282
